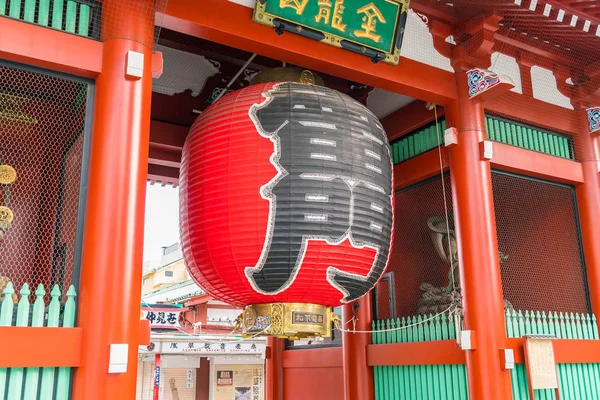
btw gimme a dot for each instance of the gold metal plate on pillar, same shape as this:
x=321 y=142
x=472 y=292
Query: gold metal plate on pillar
x=287 y=320
x=7 y=174
x=6 y=214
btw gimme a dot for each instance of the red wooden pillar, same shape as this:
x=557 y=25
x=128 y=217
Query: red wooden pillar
x=588 y=202
x=274 y=369
x=481 y=283
x=358 y=376
x=110 y=290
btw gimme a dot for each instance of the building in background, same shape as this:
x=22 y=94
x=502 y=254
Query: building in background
x=192 y=342
x=170 y=270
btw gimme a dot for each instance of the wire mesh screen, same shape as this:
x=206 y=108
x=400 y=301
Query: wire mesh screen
x=538 y=235
x=418 y=277
x=100 y=20
x=119 y=13
x=42 y=121
x=545 y=47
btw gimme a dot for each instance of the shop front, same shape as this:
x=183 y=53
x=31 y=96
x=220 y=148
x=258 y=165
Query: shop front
x=187 y=367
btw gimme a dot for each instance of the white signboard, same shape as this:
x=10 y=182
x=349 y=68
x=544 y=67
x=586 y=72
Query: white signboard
x=213 y=347
x=162 y=318
x=189 y=378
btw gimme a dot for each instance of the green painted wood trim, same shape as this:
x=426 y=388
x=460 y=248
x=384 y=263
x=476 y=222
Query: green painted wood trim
x=37 y=320
x=15 y=383
x=528 y=137
x=84 y=20
x=3 y=7
x=57 y=14
x=24 y=383
x=29 y=11
x=63 y=383
x=44 y=13
x=15 y=9
x=53 y=321
x=6 y=316
x=418 y=142
x=71 y=17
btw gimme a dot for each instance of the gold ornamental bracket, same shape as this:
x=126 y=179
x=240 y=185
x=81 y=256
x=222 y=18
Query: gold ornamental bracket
x=287 y=320
x=11 y=109
x=288 y=74
x=7 y=174
x=7 y=177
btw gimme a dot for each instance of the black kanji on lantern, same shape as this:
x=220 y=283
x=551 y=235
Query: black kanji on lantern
x=160 y=318
x=334 y=184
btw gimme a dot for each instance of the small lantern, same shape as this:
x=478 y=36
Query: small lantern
x=286 y=205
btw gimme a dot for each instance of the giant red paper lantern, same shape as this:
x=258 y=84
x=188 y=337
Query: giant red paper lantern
x=286 y=197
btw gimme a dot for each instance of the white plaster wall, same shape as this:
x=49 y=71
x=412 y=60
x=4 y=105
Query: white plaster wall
x=418 y=44
x=182 y=71
x=545 y=88
x=505 y=65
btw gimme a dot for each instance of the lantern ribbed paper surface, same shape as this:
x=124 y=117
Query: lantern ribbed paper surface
x=286 y=196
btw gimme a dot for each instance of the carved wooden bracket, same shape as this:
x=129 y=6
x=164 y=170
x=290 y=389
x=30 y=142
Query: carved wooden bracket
x=593 y=115
x=485 y=84
x=475 y=42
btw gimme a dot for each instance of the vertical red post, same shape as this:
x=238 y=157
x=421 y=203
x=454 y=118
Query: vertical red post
x=358 y=376
x=274 y=369
x=110 y=288
x=588 y=203
x=157 y=372
x=481 y=282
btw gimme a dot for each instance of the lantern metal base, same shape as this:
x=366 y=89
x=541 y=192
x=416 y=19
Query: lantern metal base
x=287 y=320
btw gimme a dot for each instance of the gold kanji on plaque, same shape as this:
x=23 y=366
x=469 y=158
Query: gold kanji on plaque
x=324 y=14
x=324 y=11
x=370 y=18
x=298 y=5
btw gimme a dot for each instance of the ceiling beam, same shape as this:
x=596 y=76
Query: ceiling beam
x=231 y=24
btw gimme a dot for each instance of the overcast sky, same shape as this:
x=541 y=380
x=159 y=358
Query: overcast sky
x=162 y=220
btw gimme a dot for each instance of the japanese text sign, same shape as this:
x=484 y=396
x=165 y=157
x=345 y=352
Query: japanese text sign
x=371 y=27
x=213 y=348
x=162 y=318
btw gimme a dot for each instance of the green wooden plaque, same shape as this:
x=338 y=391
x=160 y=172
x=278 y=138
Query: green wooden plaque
x=370 y=27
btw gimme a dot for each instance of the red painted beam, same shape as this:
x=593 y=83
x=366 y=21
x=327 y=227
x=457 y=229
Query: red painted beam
x=538 y=165
x=40 y=347
x=420 y=353
x=528 y=110
x=565 y=351
x=231 y=24
x=164 y=157
x=162 y=174
x=313 y=358
x=48 y=48
x=169 y=135
x=408 y=119
x=447 y=352
x=419 y=168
